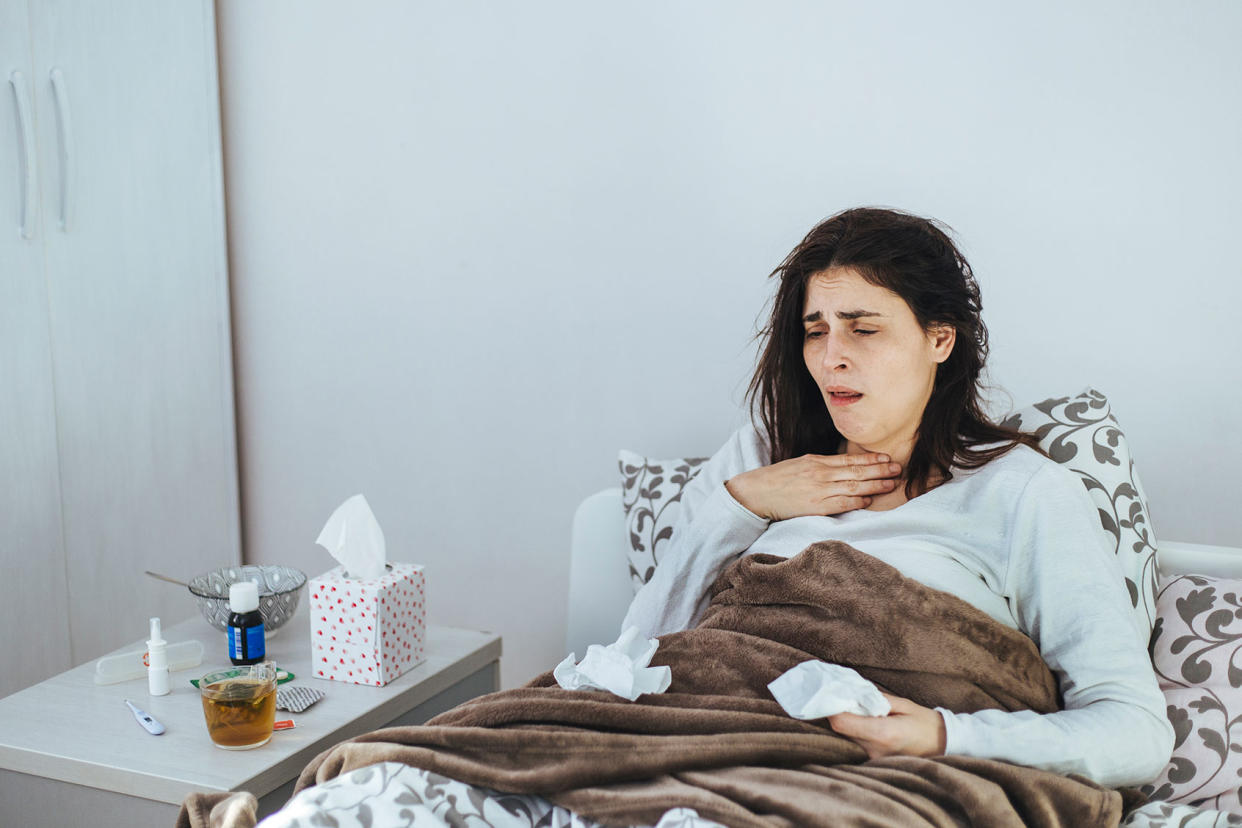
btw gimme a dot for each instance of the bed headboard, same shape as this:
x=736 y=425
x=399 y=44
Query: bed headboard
x=599 y=577
x=599 y=572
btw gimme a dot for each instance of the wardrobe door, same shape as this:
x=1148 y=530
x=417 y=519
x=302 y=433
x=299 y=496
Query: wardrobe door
x=138 y=302
x=33 y=609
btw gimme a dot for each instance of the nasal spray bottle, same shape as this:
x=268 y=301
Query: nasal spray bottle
x=246 y=638
x=157 y=661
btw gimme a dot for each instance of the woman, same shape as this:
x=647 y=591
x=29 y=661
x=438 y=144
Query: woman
x=874 y=434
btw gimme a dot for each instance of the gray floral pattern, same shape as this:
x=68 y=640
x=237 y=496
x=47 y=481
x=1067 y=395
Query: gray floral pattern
x=1082 y=434
x=651 y=496
x=1197 y=654
x=1166 y=815
x=393 y=795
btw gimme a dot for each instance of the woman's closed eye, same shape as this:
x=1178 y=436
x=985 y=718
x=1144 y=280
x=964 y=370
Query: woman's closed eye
x=859 y=331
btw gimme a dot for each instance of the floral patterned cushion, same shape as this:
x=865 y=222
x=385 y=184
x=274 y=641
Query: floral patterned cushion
x=651 y=495
x=1081 y=433
x=1195 y=650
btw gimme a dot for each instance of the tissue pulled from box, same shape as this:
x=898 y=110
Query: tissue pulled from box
x=814 y=689
x=353 y=536
x=620 y=668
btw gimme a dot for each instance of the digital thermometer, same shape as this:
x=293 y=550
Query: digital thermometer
x=153 y=727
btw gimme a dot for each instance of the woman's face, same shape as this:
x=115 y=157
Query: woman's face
x=871 y=360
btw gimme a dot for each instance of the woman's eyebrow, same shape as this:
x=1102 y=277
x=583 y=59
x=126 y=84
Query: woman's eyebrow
x=854 y=314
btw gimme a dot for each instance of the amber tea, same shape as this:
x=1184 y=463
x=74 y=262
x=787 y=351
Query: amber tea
x=240 y=706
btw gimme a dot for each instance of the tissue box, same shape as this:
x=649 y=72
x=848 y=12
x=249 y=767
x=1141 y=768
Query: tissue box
x=368 y=631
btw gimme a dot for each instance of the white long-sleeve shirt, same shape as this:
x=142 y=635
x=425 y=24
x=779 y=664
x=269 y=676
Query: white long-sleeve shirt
x=1020 y=540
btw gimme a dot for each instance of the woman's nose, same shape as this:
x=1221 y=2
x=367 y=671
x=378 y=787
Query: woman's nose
x=835 y=347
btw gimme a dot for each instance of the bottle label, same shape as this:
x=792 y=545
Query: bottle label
x=255 y=642
x=247 y=643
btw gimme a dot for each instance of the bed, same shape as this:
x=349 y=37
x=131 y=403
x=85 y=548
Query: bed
x=600 y=574
x=1190 y=594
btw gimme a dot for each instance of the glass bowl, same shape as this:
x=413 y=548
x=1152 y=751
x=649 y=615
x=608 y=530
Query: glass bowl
x=279 y=590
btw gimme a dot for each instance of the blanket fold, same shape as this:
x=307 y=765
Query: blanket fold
x=719 y=743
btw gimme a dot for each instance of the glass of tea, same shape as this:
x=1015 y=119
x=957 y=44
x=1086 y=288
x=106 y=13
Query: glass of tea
x=240 y=705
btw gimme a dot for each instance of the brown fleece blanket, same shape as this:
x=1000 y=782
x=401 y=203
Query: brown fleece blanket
x=717 y=742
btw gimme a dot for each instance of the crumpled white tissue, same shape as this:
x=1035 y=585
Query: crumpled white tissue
x=814 y=689
x=620 y=668
x=353 y=536
x=685 y=818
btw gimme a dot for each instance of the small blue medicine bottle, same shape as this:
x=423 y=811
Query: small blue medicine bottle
x=246 y=642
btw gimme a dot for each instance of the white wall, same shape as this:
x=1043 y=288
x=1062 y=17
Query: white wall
x=478 y=247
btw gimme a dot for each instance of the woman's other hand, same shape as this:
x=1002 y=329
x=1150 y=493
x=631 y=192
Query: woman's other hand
x=814 y=484
x=909 y=730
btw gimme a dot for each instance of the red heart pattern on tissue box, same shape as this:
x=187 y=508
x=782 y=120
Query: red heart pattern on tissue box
x=368 y=631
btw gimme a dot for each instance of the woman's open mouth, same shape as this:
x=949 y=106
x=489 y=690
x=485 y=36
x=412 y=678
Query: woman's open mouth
x=839 y=398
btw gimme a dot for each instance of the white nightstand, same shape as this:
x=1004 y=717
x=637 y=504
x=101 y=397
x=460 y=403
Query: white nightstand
x=72 y=754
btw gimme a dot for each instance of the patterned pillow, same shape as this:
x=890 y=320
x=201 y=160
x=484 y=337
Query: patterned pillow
x=651 y=495
x=1195 y=650
x=1082 y=434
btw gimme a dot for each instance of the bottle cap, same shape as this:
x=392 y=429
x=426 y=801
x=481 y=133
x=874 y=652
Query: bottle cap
x=157 y=637
x=244 y=596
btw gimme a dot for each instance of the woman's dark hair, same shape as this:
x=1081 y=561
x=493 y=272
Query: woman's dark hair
x=915 y=259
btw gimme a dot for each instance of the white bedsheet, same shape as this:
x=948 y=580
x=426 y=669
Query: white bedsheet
x=392 y=794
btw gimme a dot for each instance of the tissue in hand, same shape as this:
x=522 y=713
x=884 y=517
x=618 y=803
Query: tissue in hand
x=814 y=689
x=368 y=617
x=620 y=668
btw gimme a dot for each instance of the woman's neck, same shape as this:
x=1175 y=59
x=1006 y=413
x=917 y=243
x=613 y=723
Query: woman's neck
x=899 y=451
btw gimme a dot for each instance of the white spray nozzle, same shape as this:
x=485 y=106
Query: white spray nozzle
x=157 y=636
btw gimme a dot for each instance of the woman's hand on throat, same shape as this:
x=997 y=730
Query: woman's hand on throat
x=814 y=484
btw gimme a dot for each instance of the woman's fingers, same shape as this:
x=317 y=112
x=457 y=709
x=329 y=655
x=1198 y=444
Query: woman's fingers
x=814 y=485
x=910 y=729
x=849 y=460
x=860 y=497
x=840 y=505
x=852 y=725
x=833 y=469
x=901 y=705
x=837 y=505
x=877 y=470
x=849 y=481
x=860 y=487
x=842 y=494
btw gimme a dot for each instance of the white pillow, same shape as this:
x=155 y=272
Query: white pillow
x=651 y=495
x=1082 y=434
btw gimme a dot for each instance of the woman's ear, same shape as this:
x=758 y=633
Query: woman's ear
x=941 y=339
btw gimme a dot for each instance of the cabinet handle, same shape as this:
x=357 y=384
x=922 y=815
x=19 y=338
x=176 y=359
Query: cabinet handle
x=18 y=81
x=67 y=169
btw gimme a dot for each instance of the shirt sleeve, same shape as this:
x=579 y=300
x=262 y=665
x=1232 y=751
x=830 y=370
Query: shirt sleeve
x=712 y=530
x=1066 y=587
